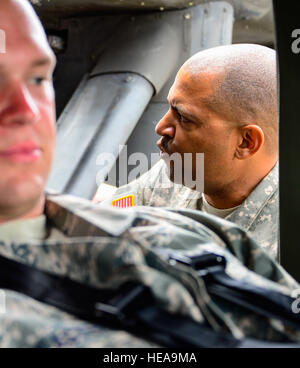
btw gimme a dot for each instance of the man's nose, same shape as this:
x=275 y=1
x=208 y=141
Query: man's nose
x=20 y=108
x=165 y=128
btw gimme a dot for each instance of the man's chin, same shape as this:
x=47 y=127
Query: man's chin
x=16 y=200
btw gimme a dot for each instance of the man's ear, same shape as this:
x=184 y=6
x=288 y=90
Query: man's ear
x=251 y=140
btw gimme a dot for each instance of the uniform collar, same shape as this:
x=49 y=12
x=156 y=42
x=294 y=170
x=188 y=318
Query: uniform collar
x=24 y=230
x=250 y=209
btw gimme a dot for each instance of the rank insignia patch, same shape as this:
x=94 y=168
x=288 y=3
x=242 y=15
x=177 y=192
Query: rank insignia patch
x=124 y=202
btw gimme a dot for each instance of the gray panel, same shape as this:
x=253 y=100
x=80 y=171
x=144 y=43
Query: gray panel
x=254 y=21
x=212 y=26
x=253 y=18
x=82 y=6
x=204 y=26
x=146 y=45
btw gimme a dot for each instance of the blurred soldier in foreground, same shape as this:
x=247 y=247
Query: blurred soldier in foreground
x=223 y=103
x=60 y=253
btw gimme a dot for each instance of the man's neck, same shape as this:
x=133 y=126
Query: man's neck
x=225 y=199
x=236 y=192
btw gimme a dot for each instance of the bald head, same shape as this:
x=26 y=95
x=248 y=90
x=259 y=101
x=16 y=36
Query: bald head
x=22 y=11
x=244 y=85
x=19 y=18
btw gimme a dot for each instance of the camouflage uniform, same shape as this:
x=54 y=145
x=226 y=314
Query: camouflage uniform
x=105 y=247
x=258 y=214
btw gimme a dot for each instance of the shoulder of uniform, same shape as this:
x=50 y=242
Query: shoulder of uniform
x=76 y=216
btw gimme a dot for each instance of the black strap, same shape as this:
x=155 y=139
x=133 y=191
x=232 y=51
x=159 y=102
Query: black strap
x=131 y=307
x=265 y=302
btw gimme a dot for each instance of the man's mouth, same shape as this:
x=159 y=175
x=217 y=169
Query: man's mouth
x=163 y=146
x=24 y=152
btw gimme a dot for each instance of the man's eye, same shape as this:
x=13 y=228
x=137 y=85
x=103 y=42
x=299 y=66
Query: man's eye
x=181 y=118
x=37 y=81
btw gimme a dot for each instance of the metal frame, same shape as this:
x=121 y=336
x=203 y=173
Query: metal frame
x=287 y=20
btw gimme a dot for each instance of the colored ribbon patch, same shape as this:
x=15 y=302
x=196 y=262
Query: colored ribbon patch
x=124 y=202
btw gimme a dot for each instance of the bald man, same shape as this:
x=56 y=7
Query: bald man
x=223 y=103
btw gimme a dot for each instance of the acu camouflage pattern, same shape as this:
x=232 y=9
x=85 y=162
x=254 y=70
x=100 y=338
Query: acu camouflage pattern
x=258 y=214
x=105 y=247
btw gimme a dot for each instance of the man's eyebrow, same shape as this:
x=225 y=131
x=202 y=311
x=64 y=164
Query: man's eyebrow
x=181 y=110
x=43 y=62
